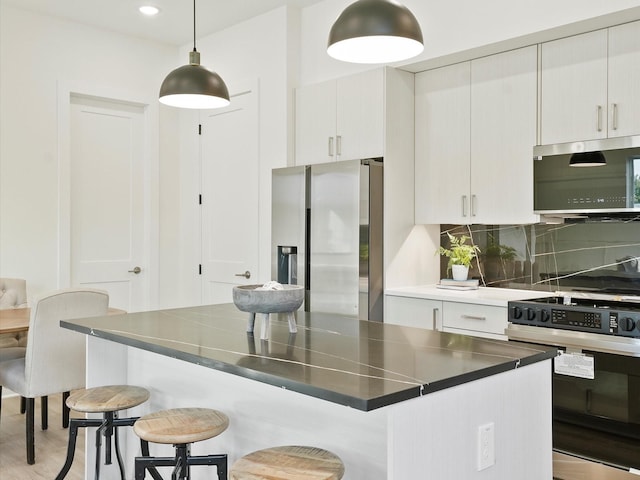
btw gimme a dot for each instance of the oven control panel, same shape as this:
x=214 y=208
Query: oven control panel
x=584 y=320
x=604 y=320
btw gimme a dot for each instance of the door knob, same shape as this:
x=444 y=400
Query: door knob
x=246 y=274
x=136 y=270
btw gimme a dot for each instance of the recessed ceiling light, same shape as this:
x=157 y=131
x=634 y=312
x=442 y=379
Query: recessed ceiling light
x=149 y=10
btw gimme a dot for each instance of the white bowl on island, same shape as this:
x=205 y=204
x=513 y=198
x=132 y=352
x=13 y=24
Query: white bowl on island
x=272 y=297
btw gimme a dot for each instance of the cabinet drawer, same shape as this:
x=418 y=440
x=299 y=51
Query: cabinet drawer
x=473 y=317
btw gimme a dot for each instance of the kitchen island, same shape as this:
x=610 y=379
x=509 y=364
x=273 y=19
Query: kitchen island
x=393 y=402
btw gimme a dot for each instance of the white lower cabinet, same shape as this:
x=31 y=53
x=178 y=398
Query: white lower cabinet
x=413 y=312
x=473 y=319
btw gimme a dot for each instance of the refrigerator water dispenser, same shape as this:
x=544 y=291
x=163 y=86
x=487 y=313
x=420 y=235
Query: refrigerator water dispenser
x=287 y=265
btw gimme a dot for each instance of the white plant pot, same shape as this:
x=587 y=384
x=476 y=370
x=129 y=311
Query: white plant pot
x=459 y=272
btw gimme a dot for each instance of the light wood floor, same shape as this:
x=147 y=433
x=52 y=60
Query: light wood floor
x=51 y=444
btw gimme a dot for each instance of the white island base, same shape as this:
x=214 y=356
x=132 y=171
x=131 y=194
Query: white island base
x=435 y=436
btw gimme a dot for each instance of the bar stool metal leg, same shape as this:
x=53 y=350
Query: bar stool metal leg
x=71 y=449
x=144 y=447
x=98 y=448
x=102 y=426
x=118 y=454
x=149 y=463
x=181 y=463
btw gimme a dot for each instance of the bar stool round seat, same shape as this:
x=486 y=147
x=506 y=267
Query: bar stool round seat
x=108 y=400
x=180 y=427
x=288 y=463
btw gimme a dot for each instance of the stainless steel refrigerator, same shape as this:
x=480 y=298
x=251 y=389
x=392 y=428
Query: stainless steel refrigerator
x=327 y=235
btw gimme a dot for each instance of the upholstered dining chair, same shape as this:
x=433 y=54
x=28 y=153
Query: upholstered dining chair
x=54 y=361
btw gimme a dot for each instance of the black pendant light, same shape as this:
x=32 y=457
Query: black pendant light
x=587 y=159
x=192 y=85
x=375 y=31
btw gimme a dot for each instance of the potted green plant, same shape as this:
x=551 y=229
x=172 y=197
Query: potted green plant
x=460 y=255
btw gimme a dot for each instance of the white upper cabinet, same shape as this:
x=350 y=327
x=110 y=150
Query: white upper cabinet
x=624 y=80
x=475 y=131
x=340 y=119
x=315 y=123
x=574 y=88
x=503 y=133
x=443 y=145
x=360 y=115
x=590 y=85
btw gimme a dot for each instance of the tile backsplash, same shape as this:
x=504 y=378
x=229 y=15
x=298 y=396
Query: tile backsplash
x=598 y=256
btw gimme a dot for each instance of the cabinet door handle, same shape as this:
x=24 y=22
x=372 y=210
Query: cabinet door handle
x=473 y=317
x=474 y=202
x=436 y=311
x=599 y=118
x=331 y=146
x=339 y=145
x=614 y=116
x=464 y=205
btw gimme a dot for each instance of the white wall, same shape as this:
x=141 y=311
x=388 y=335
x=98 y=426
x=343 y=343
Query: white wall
x=259 y=48
x=36 y=54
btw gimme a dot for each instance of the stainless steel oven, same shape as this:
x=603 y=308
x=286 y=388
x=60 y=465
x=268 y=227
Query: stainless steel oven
x=596 y=381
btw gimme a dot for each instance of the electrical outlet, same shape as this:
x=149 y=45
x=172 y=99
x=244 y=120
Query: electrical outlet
x=486 y=446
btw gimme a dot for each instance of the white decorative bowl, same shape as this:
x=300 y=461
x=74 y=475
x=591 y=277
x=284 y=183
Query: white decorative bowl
x=287 y=300
x=248 y=299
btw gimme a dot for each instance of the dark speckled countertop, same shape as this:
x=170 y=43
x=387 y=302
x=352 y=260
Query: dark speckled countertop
x=361 y=364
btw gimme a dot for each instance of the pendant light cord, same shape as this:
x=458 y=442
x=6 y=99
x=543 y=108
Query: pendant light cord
x=194 y=25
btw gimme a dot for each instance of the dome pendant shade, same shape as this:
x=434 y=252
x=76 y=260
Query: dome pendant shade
x=375 y=31
x=194 y=86
x=587 y=159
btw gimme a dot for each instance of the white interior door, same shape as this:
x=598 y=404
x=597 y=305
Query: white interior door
x=230 y=176
x=107 y=199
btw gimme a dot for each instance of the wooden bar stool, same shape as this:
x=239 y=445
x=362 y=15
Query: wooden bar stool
x=288 y=463
x=181 y=427
x=107 y=400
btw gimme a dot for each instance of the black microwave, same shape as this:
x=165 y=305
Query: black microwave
x=596 y=176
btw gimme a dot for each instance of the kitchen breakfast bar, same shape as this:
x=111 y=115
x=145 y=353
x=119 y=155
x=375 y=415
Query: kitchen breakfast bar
x=392 y=402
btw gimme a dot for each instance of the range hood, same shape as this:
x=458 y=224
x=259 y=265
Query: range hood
x=596 y=179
